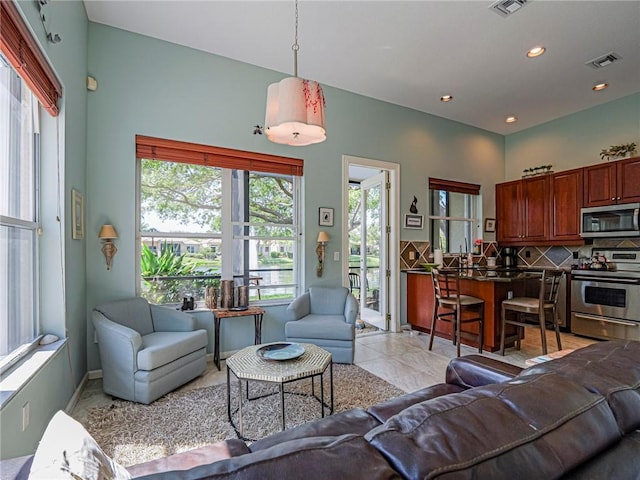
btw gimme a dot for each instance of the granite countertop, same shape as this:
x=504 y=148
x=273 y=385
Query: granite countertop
x=485 y=274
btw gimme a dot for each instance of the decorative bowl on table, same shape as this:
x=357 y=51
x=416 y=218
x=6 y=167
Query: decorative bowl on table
x=429 y=266
x=280 y=351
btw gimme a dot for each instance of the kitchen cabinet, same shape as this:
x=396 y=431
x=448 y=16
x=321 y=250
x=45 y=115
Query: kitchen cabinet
x=522 y=211
x=612 y=183
x=566 y=190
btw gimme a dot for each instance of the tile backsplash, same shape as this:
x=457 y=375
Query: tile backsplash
x=413 y=253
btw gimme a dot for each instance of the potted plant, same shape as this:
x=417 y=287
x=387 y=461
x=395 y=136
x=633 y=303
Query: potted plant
x=616 y=151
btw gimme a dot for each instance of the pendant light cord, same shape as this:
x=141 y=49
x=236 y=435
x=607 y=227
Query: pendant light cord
x=295 y=47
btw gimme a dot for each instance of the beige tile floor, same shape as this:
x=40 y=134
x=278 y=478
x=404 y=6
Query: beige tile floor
x=402 y=359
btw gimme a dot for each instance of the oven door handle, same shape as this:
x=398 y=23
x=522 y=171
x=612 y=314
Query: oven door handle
x=626 y=281
x=607 y=320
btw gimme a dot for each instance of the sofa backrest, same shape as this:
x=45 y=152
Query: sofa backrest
x=133 y=313
x=611 y=369
x=327 y=300
x=540 y=426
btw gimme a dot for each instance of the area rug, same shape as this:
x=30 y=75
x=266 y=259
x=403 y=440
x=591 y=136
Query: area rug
x=133 y=433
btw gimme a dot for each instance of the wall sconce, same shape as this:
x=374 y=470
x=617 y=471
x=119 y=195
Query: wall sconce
x=323 y=239
x=107 y=235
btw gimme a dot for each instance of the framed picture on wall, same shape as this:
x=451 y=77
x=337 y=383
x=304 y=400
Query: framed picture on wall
x=77 y=215
x=325 y=217
x=489 y=225
x=415 y=222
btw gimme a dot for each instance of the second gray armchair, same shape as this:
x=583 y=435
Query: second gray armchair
x=324 y=316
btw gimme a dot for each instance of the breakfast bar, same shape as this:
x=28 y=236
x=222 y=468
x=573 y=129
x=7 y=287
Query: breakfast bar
x=492 y=285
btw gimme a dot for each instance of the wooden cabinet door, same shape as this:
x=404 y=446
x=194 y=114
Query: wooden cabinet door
x=628 y=180
x=600 y=185
x=509 y=211
x=535 y=195
x=420 y=301
x=566 y=200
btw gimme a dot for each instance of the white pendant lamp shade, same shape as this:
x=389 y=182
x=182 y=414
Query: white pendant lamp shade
x=295 y=112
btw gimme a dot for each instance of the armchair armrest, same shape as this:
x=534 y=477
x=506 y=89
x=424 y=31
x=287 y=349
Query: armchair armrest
x=118 y=346
x=300 y=307
x=167 y=320
x=350 y=309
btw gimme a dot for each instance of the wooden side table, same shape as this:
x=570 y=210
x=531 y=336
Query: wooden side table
x=220 y=313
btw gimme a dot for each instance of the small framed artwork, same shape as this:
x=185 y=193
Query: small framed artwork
x=77 y=215
x=413 y=221
x=325 y=217
x=489 y=224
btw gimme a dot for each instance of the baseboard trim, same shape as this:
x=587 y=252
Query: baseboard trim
x=75 y=398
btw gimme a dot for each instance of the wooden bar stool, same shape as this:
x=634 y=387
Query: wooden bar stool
x=446 y=287
x=533 y=311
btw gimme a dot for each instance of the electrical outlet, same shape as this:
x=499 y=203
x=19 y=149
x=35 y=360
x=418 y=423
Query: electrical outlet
x=336 y=256
x=25 y=416
x=412 y=255
x=527 y=254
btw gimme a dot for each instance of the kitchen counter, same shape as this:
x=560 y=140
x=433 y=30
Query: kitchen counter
x=484 y=274
x=491 y=284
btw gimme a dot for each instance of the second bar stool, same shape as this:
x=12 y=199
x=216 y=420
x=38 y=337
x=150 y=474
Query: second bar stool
x=446 y=287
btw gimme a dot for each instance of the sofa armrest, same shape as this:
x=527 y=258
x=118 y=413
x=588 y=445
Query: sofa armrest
x=350 y=309
x=300 y=307
x=166 y=319
x=190 y=459
x=17 y=468
x=475 y=370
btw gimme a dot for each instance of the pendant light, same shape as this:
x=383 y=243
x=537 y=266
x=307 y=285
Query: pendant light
x=295 y=107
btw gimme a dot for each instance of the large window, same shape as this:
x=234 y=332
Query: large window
x=18 y=215
x=200 y=223
x=454 y=215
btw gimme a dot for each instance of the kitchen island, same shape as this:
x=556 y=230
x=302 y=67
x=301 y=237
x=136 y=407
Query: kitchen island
x=492 y=285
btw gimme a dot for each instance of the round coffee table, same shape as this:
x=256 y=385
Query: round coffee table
x=247 y=366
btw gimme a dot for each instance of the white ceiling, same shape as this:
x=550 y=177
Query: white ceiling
x=411 y=53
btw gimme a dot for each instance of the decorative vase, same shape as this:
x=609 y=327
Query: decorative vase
x=226 y=296
x=211 y=297
x=243 y=296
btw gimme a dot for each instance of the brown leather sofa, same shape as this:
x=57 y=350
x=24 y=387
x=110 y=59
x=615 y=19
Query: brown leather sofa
x=577 y=417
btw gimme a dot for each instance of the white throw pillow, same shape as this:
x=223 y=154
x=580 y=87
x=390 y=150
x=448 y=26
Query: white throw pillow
x=67 y=451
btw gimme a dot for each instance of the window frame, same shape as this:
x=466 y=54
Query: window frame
x=33 y=226
x=228 y=160
x=473 y=204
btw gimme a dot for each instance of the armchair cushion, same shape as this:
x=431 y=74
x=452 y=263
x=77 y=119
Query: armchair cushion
x=327 y=300
x=329 y=327
x=133 y=313
x=161 y=348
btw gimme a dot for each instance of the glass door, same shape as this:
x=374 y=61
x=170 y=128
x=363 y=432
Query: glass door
x=374 y=245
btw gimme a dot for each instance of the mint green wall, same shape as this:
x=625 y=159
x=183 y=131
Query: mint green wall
x=575 y=140
x=53 y=386
x=151 y=87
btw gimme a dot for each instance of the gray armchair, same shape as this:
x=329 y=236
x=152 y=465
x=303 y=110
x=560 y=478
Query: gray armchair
x=147 y=350
x=324 y=316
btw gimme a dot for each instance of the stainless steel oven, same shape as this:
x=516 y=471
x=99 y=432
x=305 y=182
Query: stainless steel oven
x=605 y=303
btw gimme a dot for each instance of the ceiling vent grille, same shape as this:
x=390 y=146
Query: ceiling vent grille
x=604 y=60
x=505 y=8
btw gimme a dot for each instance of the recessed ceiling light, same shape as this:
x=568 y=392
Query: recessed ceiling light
x=535 y=52
x=446 y=98
x=599 y=86
x=511 y=119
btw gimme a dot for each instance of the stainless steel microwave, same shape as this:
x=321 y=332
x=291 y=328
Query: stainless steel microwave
x=611 y=221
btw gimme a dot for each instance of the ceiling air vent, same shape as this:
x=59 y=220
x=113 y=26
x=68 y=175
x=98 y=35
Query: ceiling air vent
x=505 y=8
x=604 y=60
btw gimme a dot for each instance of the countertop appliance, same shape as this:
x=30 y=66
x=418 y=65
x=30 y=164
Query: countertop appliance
x=510 y=255
x=611 y=221
x=605 y=301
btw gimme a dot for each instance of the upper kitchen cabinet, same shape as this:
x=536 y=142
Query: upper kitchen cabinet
x=611 y=183
x=522 y=211
x=564 y=208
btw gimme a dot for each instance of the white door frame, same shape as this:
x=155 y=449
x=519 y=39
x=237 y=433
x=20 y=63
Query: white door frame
x=394 y=237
